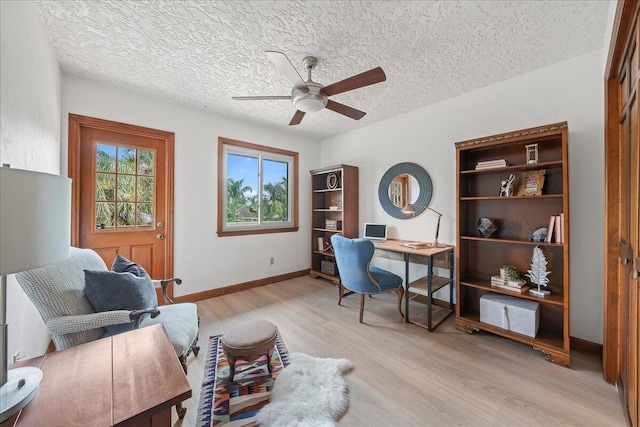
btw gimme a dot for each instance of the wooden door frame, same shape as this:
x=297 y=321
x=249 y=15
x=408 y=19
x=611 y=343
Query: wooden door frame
x=76 y=122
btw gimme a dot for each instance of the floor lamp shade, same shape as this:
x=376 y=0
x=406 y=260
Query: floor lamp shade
x=35 y=230
x=35 y=219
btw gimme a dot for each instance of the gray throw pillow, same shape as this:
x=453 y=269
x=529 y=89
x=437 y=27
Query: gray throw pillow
x=124 y=265
x=110 y=290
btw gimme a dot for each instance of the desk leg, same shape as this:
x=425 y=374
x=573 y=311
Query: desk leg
x=406 y=288
x=429 y=284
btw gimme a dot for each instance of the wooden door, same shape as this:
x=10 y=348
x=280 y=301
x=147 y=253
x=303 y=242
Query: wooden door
x=122 y=192
x=622 y=228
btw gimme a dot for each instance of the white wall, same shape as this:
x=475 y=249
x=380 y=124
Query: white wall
x=571 y=91
x=29 y=136
x=202 y=259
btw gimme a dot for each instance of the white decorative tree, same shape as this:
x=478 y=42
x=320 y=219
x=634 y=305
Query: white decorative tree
x=538 y=273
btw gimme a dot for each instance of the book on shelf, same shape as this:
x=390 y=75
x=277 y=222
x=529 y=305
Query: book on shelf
x=550 y=228
x=416 y=245
x=558 y=231
x=497 y=280
x=332 y=224
x=514 y=289
x=488 y=164
x=324 y=245
x=561 y=227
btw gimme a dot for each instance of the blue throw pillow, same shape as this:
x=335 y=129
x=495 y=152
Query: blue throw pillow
x=110 y=290
x=124 y=265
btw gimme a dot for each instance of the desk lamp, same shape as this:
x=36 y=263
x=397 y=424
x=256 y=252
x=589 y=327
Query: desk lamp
x=409 y=209
x=35 y=221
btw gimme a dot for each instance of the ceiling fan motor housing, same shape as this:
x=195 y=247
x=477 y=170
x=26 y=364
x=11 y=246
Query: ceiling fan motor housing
x=309 y=101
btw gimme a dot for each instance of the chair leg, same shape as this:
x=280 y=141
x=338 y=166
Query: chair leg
x=361 y=306
x=340 y=292
x=180 y=410
x=400 y=295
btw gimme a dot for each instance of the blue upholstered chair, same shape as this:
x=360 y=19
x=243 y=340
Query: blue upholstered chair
x=353 y=257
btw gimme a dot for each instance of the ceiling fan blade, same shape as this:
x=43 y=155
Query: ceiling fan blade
x=282 y=62
x=344 y=110
x=259 y=98
x=367 y=78
x=297 y=118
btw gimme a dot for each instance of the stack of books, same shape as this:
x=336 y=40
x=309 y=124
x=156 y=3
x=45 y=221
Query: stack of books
x=332 y=224
x=515 y=286
x=489 y=164
x=555 y=231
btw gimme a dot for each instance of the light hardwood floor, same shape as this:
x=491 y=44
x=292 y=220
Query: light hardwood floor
x=407 y=376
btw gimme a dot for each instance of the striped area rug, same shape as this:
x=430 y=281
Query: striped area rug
x=235 y=404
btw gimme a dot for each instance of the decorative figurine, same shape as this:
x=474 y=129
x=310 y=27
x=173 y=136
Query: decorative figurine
x=506 y=189
x=538 y=273
x=486 y=227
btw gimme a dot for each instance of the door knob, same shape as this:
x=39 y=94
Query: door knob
x=160 y=236
x=635 y=274
x=625 y=261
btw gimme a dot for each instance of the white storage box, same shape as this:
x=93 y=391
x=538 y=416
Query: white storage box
x=514 y=314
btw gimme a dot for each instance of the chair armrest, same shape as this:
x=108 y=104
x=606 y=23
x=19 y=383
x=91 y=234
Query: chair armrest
x=163 y=284
x=136 y=315
x=85 y=322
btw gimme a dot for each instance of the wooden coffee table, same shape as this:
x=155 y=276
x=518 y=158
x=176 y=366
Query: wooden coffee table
x=130 y=379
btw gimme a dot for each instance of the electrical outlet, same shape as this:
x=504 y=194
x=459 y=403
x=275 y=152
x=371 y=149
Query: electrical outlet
x=272 y=260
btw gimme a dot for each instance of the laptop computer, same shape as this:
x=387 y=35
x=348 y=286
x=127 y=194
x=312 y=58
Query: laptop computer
x=375 y=232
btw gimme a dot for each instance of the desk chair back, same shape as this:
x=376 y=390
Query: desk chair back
x=353 y=257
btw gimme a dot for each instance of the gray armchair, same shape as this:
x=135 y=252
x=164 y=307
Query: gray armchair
x=57 y=291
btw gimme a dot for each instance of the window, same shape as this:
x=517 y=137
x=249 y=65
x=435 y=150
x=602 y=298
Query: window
x=257 y=189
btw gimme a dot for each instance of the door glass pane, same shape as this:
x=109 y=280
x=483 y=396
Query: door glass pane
x=126 y=160
x=145 y=162
x=105 y=187
x=275 y=190
x=145 y=189
x=145 y=214
x=124 y=175
x=242 y=189
x=105 y=214
x=105 y=158
x=126 y=188
x=126 y=215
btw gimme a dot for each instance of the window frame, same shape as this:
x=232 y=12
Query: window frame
x=273 y=227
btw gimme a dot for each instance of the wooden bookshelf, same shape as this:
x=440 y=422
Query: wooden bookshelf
x=337 y=187
x=478 y=258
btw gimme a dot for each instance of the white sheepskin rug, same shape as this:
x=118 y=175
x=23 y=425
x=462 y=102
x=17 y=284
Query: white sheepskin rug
x=310 y=392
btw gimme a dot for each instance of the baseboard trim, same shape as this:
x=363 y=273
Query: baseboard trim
x=212 y=293
x=586 y=347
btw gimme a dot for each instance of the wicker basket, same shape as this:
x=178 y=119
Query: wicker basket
x=328 y=267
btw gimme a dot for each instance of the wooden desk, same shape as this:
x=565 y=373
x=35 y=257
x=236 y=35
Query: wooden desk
x=130 y=379
x=427 y=285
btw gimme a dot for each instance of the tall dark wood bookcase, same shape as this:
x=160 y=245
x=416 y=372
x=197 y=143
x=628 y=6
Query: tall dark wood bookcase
x=478 y=258
x=334 y=198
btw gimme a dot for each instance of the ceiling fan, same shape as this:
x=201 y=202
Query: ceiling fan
x=310 y=96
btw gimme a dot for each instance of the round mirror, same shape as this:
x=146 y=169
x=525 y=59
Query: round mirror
x=405 y=184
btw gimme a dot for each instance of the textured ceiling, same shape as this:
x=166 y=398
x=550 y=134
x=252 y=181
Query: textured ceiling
x=201 y=53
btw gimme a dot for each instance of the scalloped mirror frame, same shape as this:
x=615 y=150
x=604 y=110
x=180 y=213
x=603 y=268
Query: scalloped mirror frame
x=424 y=182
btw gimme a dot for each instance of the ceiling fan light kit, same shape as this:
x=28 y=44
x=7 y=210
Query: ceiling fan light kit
x=310 y=96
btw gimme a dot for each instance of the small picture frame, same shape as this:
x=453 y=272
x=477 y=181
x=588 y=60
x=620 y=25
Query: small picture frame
x=532 y=153
x=531 y=183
